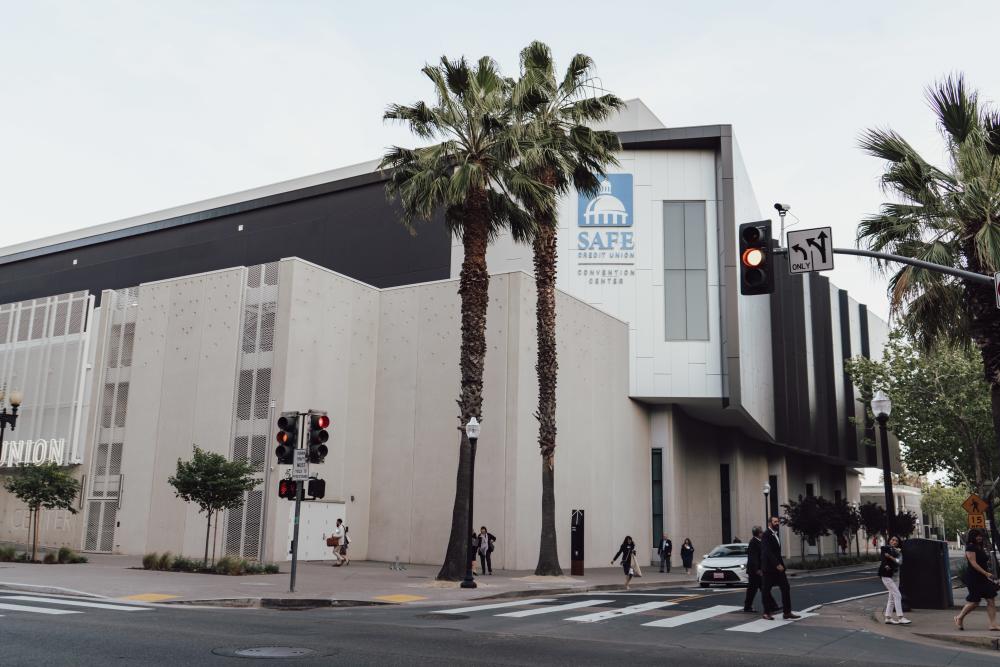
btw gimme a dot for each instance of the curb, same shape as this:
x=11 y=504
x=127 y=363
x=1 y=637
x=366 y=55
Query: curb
x=276 y=603
x=51 y=590
x=992 y=643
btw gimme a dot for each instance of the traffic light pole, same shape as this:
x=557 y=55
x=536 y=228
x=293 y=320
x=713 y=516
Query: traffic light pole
x=298 y=509
x=930 y=266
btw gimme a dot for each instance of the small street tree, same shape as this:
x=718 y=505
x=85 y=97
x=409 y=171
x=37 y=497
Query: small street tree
x=809 y=518
x=214 y=483
x=45 y=486
x=905 y=524
x=945 y=502
x=844 y=520
x=873 y=520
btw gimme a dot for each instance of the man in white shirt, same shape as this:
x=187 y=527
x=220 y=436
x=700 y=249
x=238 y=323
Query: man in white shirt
x=338 y=539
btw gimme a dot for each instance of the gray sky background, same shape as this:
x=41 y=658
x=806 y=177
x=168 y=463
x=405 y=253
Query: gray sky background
x=112 y=109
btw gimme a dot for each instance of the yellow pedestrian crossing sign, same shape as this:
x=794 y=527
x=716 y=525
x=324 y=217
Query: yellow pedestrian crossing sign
x=974 y=504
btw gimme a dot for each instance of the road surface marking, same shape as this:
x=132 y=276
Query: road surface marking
x=35 y=610
x=653 y=595
x=76 y=603
x=856 y=597
x=149 y=597
x=699 y=615
x=500 y=605
x=401 y=597
x=550 y=610
x=624 y=611
x=763 y=625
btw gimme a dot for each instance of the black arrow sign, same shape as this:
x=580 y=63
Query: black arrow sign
x=798 y=248
x=821 y=246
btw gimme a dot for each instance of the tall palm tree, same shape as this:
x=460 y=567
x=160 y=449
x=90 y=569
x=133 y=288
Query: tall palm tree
x=468 y=175
x=949 y=216
x=559 y=150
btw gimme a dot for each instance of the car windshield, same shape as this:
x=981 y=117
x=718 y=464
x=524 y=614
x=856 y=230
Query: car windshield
x=729 y=550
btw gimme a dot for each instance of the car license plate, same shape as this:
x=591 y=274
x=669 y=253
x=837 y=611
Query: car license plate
x=718 y=575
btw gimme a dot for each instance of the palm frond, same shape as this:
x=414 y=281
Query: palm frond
x=956 y=108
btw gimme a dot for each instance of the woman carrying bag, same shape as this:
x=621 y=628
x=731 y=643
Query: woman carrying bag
x=979 y=580
x=629 y=564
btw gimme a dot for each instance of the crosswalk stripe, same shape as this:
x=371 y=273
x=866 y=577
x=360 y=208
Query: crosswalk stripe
x=35 y=610
x=551 y=610
x=763 y=625
x=76 y=603
x=499 y=605
x=624 y=611
x=699 y=615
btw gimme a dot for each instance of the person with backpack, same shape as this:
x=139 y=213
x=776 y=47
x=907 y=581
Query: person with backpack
x=887 y=568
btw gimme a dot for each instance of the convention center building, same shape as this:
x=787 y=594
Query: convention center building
x=678 y=398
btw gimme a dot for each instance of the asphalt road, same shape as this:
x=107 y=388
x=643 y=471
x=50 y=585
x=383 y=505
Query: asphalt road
x=690 y=626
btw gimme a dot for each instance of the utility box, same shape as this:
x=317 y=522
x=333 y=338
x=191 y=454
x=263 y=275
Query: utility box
x=925 y=575
x=576 y=543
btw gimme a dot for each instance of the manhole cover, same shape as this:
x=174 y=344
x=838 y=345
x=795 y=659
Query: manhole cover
x=266 y=652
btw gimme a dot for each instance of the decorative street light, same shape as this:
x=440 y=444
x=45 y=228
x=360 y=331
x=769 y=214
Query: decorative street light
x=472 y=431
x=767 y=491
x=881 y=408
x=14 y=398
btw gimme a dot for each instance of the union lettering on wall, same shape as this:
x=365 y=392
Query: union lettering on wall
x=33 y=452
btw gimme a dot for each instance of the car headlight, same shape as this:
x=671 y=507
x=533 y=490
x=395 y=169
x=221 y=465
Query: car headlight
x=743 y=567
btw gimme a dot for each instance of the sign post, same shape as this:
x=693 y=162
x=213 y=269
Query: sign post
x=300 y=463
x=576 y=543
x=810 y=250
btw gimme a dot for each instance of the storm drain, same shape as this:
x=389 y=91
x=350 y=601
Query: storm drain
x=265 y=652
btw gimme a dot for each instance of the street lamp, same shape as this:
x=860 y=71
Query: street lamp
x=472 y=431
x=881 y=408
x=14 y=398
x=767 y=491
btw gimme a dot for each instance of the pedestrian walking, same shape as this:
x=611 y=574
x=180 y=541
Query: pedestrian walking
x=774 y=573
x=484 y=545
x=887 y=568
x=664 y=551
x=979 y=580
x=755 y=574
x=344 y=545
x=627 y=553
x=687 y=555
x=335 y=540
x=473 y=551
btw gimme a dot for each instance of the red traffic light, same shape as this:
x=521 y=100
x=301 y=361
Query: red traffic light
x=284 y=437
x=287 y=488
x=753 y=257
x=321 y=421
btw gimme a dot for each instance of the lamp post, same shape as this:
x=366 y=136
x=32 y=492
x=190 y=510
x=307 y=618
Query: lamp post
x=14 y=398
x=472 y=432
x=881 y=408
x=766 y=491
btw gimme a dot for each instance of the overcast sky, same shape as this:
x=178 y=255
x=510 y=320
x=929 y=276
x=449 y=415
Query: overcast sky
x=112 y=109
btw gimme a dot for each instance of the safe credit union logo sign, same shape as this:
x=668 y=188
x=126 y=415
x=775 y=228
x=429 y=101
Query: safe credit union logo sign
x=605 y=241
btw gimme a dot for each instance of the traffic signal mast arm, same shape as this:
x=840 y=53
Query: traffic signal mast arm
x=919 y=263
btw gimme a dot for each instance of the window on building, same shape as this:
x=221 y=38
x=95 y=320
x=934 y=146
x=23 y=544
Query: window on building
x=657 y=464
x=773 y=481
x=810 y=491
x=685 y=270
x=727 y=519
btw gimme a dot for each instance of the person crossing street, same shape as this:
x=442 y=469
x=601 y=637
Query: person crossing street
x=755 y=574
x=774 y=573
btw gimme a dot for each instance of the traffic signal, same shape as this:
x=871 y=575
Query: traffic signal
x=317 y=435
x=316 y=488
x=756 y=258
x=288 y=437
x=288 y=488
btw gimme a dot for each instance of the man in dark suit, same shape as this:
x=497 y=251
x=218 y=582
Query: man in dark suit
x=665 y=550
x=756 y=576
x=774 y=572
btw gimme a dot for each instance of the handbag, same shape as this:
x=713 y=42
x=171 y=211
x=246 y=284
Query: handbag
x=332 y=541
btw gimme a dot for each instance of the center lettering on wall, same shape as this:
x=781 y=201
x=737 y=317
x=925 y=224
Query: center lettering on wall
x=605 y=242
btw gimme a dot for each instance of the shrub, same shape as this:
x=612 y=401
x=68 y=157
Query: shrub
x=164 y=561
x=230 y=565
x=65 y=555
x=271 y=568
x=77 y=558
x=182 y=564
x=149 y=561
x=7 y=554
x=50 y=559
x=23 y=558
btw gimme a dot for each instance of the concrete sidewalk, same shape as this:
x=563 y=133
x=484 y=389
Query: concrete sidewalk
x=367 y=581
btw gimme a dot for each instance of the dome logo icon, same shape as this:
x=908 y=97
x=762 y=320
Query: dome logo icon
x=611 y=207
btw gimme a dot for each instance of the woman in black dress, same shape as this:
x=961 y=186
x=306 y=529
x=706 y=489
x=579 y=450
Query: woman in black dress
x=627 y=552
x=687 y=555
x=979 y=580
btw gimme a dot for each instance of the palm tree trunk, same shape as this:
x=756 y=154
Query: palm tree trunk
x=546 y=366
x=474 y=285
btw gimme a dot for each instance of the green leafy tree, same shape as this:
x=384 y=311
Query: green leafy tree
x=873 y=520
x=945 y=215
x=809 y=518
x=905 y=524
x=44 y=486
x=470 y=176
x=946 y=502
x=213 y=483
x=559 y=150
x=844 y=520
x=940 y=407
